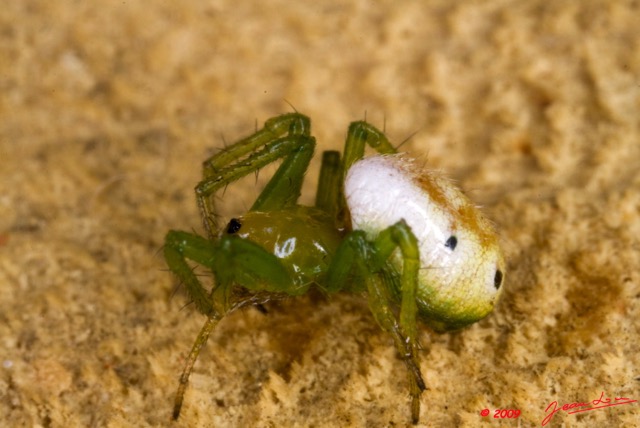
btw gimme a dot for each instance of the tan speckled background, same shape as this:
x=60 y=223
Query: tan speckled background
x=108 y=108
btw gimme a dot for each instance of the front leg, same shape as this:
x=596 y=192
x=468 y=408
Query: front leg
x=274 y=128
x=234 y=262
x=180 y=247
x=281 y=191
x=252 y=153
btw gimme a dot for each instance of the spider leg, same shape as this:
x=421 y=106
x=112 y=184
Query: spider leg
x=239 y=159
x=406 y=337
x=282 y=190
x=291 y=123
x=371 y=260
x=201 y=340
x=180 y=246
x=359 y=135
x=329 y=183
x=232 y=261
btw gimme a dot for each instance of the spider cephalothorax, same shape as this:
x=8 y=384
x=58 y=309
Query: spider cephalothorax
x=408 y=238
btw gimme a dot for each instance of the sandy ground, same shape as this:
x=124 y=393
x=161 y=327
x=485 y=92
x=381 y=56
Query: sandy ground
x=107 y=110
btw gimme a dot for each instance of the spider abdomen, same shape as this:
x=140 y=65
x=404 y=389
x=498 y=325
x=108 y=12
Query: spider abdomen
x=459 y=253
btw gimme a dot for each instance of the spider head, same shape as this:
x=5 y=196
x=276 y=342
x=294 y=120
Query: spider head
x=302 y=238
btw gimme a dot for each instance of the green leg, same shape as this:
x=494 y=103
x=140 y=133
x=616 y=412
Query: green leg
x=274 y=128
x=360 y=134
x=329 y=183
x=232 y=261
x=371 y=262
x=400 y=235
x=280 y=137
x=180 y=246
x=406 y=338
x=351 y=252
x=283 y=189
x=201 y=340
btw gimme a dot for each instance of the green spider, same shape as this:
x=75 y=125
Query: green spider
x=408 y=238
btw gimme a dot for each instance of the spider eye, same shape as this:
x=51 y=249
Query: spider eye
x=452 y=242
x=497 y=280
x=234 y=225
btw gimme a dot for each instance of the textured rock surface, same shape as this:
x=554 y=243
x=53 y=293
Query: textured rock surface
x=107 y=110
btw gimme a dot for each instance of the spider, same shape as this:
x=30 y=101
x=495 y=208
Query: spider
x=381 y=225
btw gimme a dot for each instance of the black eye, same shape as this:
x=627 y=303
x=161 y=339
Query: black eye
x=451 y=242
x=497 y=280
x=234 y=225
